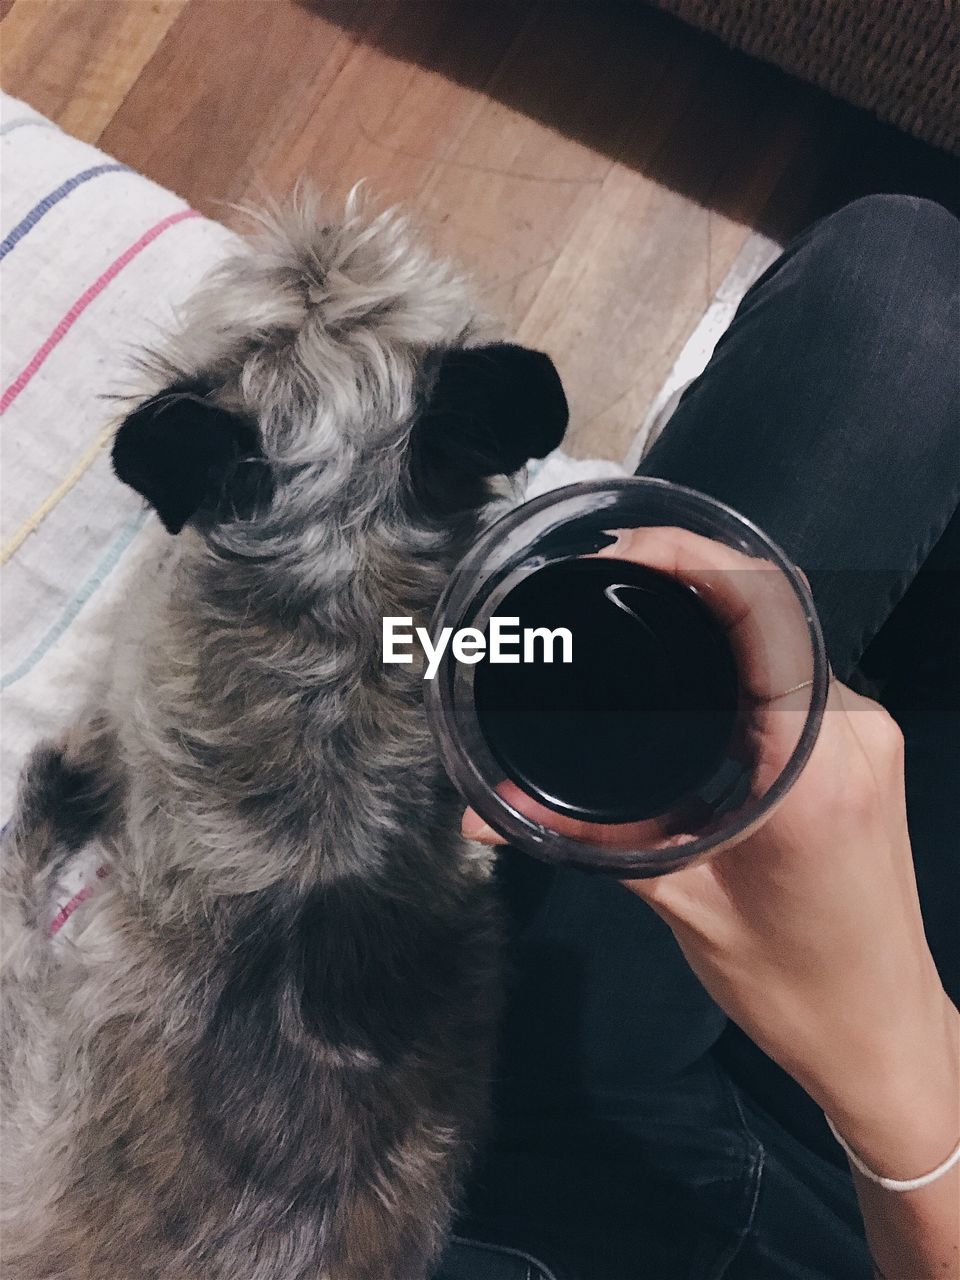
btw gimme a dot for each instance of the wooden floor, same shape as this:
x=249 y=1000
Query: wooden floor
x=597 y=165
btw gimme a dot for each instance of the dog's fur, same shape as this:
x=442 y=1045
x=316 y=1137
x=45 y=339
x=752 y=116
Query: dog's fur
x=264 y=1056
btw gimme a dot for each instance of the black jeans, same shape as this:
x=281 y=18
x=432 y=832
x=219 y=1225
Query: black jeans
x=638 y=1134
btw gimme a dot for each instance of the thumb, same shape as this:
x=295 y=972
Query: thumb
x=473 y=827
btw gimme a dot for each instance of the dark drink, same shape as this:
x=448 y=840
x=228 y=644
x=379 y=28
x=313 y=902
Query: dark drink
x=643 y=718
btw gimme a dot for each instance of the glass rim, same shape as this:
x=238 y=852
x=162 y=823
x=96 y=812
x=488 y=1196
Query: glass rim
x=467 y=583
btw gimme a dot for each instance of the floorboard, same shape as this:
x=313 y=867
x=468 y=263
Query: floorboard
x=597 y=166
x=76 y=60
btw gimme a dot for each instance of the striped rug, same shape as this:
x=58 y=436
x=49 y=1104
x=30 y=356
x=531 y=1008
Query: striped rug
x=94 y=259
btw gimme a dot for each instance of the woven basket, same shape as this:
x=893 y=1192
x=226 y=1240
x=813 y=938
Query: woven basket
x=898 y=58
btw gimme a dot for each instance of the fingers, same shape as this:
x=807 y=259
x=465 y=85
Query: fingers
x=646 y=833
x=473 y=827
x=754 y=601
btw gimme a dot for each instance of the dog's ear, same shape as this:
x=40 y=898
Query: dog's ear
x=490 y=410
x=179 y=451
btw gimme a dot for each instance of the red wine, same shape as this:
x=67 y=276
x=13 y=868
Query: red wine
x=643 y=716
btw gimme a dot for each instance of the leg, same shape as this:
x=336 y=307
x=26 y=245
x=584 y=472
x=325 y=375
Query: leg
x=920 y=648
x=828 y=413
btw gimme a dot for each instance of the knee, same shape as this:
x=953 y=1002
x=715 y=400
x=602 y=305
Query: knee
x=878 y=229
x=887 y=258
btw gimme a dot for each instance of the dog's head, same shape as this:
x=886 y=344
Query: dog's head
x=334 y=375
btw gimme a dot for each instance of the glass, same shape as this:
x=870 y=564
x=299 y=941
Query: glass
x=644 y=757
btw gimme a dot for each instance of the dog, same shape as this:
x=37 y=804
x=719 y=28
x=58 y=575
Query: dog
x=265 y=1054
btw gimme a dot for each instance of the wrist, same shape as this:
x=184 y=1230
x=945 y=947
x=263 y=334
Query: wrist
x=900 y=1112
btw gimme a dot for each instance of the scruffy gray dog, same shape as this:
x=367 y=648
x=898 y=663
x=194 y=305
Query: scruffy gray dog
x=265 y=1055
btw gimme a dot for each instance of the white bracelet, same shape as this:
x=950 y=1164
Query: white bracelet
x=896 y=1184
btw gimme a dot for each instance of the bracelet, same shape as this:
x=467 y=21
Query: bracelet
x=896 y=1184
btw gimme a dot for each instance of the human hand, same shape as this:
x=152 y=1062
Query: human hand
x=808 y=931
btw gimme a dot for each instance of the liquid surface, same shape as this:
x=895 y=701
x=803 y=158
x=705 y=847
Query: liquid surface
x=640 y=720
